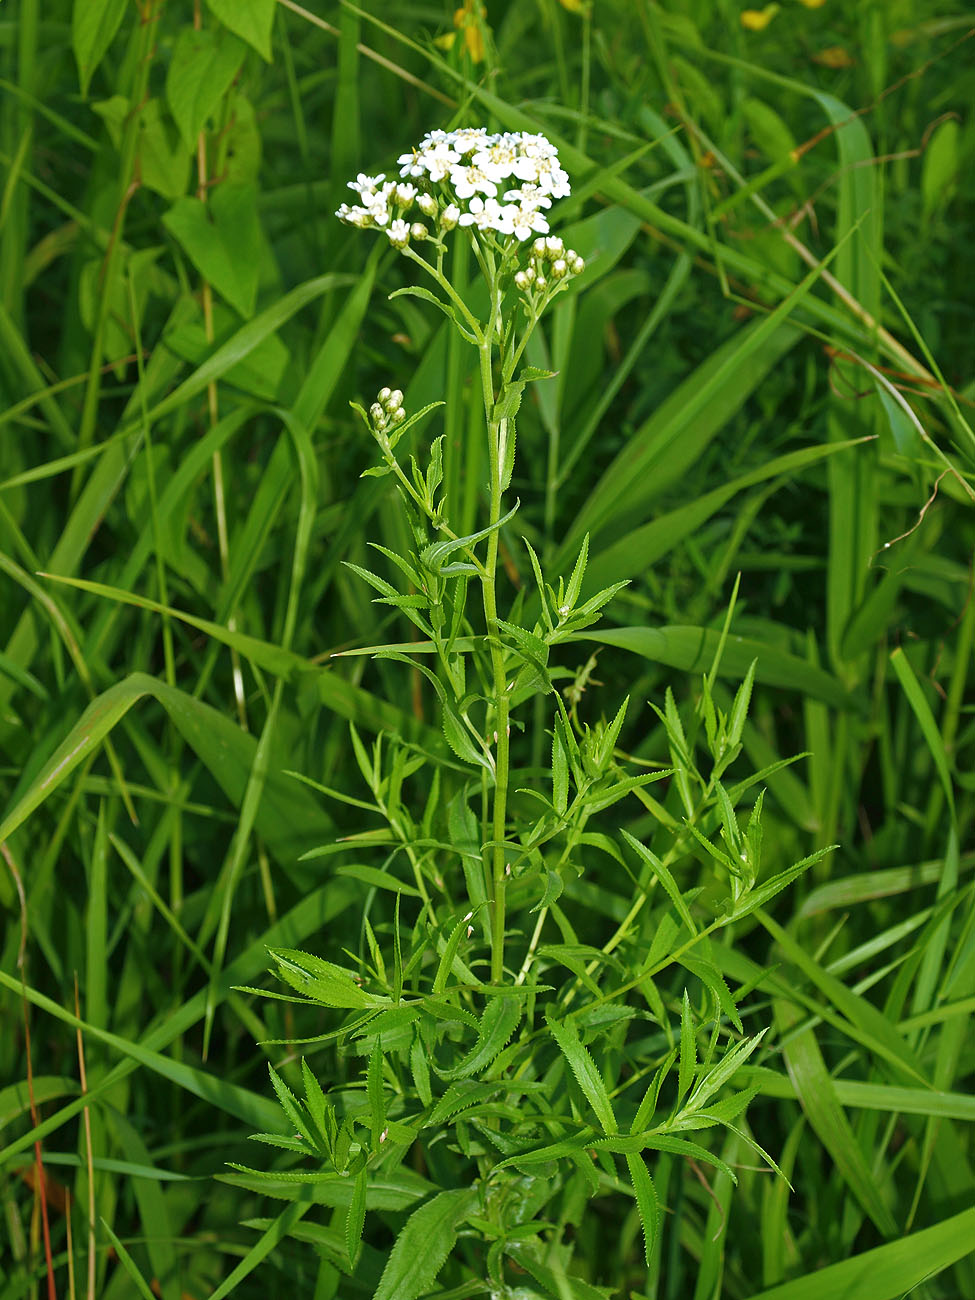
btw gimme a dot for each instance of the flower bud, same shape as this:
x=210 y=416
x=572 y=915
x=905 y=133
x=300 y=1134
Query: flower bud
x=395 y=399
x=418 y=230
x=377 y=414
x=383 y=395
x=541 y=282
x=554 y=246
x=427 y=204
x=398 y=416
x=576 y=263
x=538 y=248
x=450 y=216
x=559 y=267
x=521 y=280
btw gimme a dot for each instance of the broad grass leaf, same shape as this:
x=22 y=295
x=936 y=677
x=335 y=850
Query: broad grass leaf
x=288 y=817
x=888 y=1272
x=817 y=1095
x=422 y=1247
x=201 y=68
x=692 y=650
x=251 y=19
x=584 y=1068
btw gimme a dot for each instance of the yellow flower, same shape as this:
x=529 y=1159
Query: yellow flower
x=756 y=20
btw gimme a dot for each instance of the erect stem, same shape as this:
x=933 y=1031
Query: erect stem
x=489 y=590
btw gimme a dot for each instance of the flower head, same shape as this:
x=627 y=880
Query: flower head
x=455 y=178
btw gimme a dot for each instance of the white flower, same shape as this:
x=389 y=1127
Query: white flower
x=399 y=234
x=529 y=196
x=488 y=214
x=467 y=181
x=355 y=216
x=404 y=194
x=450 y=216
x=468 y=138
x=366 y=185
x=427 y=204
x=525 y=221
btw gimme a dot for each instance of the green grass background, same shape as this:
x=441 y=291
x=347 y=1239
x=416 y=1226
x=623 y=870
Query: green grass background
x=765 y=370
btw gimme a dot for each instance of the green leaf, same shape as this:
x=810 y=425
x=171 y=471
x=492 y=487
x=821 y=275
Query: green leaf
x=422 y=1247
x=646 y=1202
x=251 y=19
x=93 y=27
x=665 y=877
x=432 y=557
x=164 y=162
x=889 y=1272
x=356 y=1217
x=817 y=1095
x=202 y=66
x=222 y=238
x=584 y=1068
x=692 y=650
x=499 y=1022
x=321 y=980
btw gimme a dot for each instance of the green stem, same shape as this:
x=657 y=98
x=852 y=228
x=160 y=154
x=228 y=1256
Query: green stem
x=496 y=434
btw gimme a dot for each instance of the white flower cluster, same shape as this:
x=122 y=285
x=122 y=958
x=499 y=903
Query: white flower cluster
x=387 y=410
x=550 y=260
x=459 y=178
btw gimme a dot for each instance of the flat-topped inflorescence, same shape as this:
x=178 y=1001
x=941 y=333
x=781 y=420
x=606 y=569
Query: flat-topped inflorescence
x=500 y=184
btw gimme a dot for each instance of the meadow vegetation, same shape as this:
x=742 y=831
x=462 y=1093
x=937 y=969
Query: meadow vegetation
x=556 y=850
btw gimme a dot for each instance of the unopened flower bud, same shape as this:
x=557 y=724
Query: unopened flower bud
x=521 y=280
x=559 y=267
x=376 y=413
x=554 y=245
x=541 y=282
x=395 y=398
x=576 y=263
x=398 y=416
x=383 y=395
x=538 y=248
x=450 y=216
x=427 y=204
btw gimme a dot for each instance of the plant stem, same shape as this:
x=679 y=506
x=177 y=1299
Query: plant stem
x=497 y=432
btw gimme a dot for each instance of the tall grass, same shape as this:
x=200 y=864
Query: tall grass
x=763 y=371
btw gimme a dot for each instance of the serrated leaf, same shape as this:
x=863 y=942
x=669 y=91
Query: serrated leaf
x=499 y=1022
x=355 y=1220
x=433 y=556
x=665 y=878
x=647 y=1204
x=688 y=1051
x=422 y=1247
x=584 y=1068
x=322 y=981
x=375 y=1091
x=560 y=774
x=418 y=291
